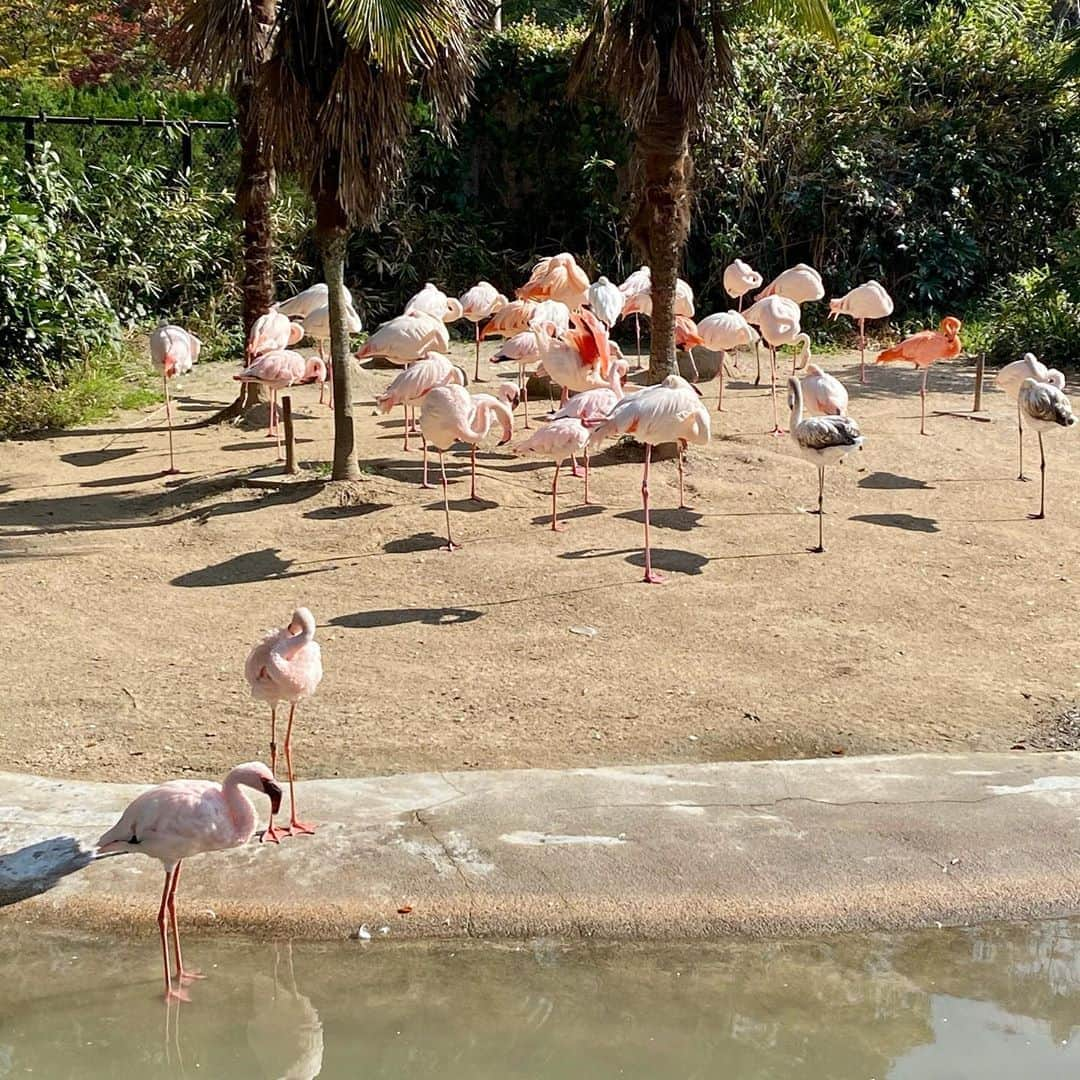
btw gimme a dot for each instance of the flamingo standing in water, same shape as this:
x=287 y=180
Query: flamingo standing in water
x=182 y=818
x=669 y=411
x=557 y=278
x=449 y=414
x=408 y=387
x=1011 y=377
x=477 y=303
x=279 y=370
x=821 y=440
x=286 y=665
x=922 y=349
x=866 y=301
x=779 y=321
x=173 y=351
x=723 y=332
x=823 y=394
x=558 y=440
x=1046 y=408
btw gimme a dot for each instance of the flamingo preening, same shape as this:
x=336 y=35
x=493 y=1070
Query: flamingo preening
x=173 y=351
x=557 y=278
x=778 y=320
x=823 y=394
x=922 y=350
x=866 y=301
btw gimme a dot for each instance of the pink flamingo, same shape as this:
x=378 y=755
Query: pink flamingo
x=173 y=351
x=407 y=338
x=477 y=304
x=304 y=303
x=866 y=301
x=271 y=332
x=285 y=666
x=1010 y=378
x=182 y=818
x=279 y=370
x=557 y=278
x=449 y=414
x=409 y=386
x=823 y=394
x=590 y=407
x=640 y=303
x=669 y=411
x=431 y=300
x=779 y=321
x=723 y=332
x=801 y=283
x=500 y=407
x=558 y=440
x=739 y=279
x=510 y=319
x=922 y=350
x=638 y=281
x=522 y=349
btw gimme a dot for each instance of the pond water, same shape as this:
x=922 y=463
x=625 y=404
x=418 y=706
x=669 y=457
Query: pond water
x=992 y=1002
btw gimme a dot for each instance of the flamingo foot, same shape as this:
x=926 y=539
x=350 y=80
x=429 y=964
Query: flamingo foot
x=1036 y=517
x=450 y=547
x=576 y=472
x=778 y=431
x=177 y=995
x=299 y=828
x=427 y=487
x=272 y=835
x=559 y=526
x=176 y=472
x=1023 y=478
x=816 y=550
x=186 y=976
x=653 y=577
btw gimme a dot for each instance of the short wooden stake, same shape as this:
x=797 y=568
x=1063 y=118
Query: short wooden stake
x=980 y=364
x=290 y=435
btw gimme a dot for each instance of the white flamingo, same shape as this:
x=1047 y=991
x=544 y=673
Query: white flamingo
x=606 y=301
x=478 y=304
x=1011 y=377
x=722 y=333
x=173 y=351
x=823 y=394
x=778 y=320
x=1046 y=408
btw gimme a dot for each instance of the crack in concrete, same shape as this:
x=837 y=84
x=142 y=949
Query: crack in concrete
x=574 y=920
x=417 y=814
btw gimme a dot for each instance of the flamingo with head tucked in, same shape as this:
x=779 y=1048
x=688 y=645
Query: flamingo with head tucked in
x=739 y=279
x=606 y=301
x=922 y=350
x=271 y=331
x=669 y=411
x=500 y=408
x=431 y=300
x=560 y=439
x=304 y=303
x=510 y=319
x=173 y=351
x=557 y=278
x=477 y=304
x=801 y=283
x=778 y=319
x=1011 y=377
x=639 y=281
x=182 y=818
x=278 y=370
x=449 y=414
x=866 y=301
x=722 y=333
x=823 y=394
x=1045 y=408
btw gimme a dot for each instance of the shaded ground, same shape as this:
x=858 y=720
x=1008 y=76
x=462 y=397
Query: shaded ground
x=940 y=618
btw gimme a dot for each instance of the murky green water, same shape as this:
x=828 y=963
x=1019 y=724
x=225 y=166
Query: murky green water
x=987 y=1003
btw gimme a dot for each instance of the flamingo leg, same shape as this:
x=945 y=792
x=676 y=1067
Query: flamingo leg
x=922 y=401
x=525 y=393
x=162 y=921
x=182 y=974
x=720 y=376
x=574 y=471
x=472 y=466
x=424 y=484
x=272 y=834
x=564 y=398
x=476 y=373
x=682 y=501
x=1042 y=481
x=556 y=524
x=586 y=476
x=651 y=578
x=172 y=469
x=295 y=825
x=757 y=357
x=322 y=385
x=777 y=429
x=405 y=409
x=450 y=545
x=1020 y=438
x=862 y=351
x=820 y=509
x=637 y=331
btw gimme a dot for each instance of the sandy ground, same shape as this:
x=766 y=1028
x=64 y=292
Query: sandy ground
x=940 y=617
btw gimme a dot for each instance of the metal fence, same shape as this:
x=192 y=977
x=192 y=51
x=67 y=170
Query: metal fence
x=178 y=147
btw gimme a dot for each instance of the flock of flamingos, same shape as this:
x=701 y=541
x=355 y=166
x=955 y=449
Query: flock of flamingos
x=560 y=322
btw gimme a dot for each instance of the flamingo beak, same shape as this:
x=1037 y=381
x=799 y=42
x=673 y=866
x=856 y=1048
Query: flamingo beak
x=273 y=789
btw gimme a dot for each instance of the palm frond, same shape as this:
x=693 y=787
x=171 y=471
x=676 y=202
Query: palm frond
x=224 y=40
x=812 y=15
x=1070 y=64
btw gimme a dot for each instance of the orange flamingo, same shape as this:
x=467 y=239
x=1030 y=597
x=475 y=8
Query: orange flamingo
x=922 y=349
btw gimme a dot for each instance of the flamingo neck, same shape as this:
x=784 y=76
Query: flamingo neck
x=241 y=812
x=290 y=646
x=797 y=407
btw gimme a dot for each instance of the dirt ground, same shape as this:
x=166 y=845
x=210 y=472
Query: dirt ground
x=940 y=617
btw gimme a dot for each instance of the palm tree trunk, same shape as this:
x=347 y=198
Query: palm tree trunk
x=332 y=235
x=661 y=220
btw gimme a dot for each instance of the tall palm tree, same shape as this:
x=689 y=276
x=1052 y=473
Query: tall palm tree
x=335 y=96
x=659 y=61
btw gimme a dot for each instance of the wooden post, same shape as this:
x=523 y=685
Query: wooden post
x=290 y=436
x=980 y=364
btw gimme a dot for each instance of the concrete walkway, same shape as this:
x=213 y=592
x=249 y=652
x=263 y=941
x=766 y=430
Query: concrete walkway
x=759 y=848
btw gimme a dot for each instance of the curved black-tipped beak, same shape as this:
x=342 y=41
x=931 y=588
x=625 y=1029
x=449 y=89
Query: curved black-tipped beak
x=273 y=789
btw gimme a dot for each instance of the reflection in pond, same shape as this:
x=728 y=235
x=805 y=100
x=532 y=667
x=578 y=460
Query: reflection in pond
x=991 y=1002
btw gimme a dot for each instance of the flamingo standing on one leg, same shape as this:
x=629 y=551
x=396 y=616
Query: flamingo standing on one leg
x=779 y=321
x=922 y=349
x=558 y=440
x=272 y=331
x=723 y=332
x=823 y=394
x=182 y=818
x=499 y=408
x=522 y=349
x=606 y=301
x=801 y=283
x=449 y=414
x=173 y=351
x=1046 y=408
x=669 y=411
x=1011 y=377
x=821 y=440
x=557 y=278
x=477 y=304
x=317 y=327
x=741 y=278
x=431 y=300
x=866 y=301
x=639 y=281
x=590 y=407
x=302 y=304
x=285 y=666
x=409 y=386
x=279 y=370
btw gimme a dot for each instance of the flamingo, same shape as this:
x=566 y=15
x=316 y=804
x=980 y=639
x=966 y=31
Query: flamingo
x=723 y=332
x=500 y=408
x=688 y=339
x=558 y=440
x=778 y=319
x=279 y=370
x=669 y=411
x=590 y=407
x=182 y=818
x=739 y=279
x=449 y=414
x=477 y=303
x=557 y=278
x=304 y=303
x=317 y=327
x=522 y=349
x=407 y=338
x=821 y=440
x=823 y=393
x=579 y=360
x=801 y=283
x=1046 y=408
x=606 y=301
x=431 y=300
x=409 y=386
x=173 y=351
x=1010 y=378
x=286 y=665
x=554 y=312
x=510 y=319
x=640 y=303
x=640 y=280
x=922 y=349
x=272 y=331
x=866 y=301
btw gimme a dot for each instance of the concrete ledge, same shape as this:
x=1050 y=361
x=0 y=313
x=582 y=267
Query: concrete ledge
x=783 y=848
